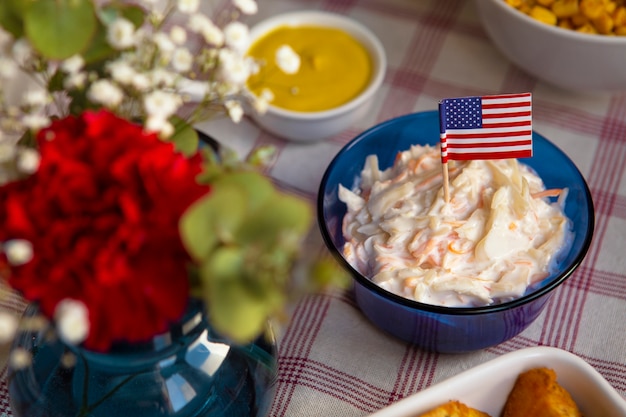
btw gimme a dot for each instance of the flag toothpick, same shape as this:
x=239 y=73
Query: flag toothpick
x=484 y=127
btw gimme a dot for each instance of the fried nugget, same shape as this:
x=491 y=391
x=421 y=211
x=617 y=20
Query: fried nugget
x=537 y=393
x=454 y=409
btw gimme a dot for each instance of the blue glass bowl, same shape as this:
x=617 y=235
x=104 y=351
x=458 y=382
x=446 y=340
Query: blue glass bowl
x=437 y=328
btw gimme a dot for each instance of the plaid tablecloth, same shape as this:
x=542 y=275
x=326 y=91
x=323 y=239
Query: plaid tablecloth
x=333 y=362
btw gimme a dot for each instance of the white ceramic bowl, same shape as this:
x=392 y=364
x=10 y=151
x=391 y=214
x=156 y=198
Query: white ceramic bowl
x=315 y=126
x=574 y=61
x=487 y=386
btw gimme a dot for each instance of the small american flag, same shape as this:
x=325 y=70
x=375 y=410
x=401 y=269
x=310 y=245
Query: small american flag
x=487 y=127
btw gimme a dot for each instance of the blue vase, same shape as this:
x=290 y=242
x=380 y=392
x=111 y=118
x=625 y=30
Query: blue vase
x=187 y=372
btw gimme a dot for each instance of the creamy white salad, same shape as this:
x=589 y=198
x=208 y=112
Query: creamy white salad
x=499 y=233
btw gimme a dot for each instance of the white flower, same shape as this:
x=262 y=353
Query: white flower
x=141 y=82
x=120 y=33
x=188 y=6
x=75 y=80
x=121 y=72
x=262 y=102
x=164 y=43
x=72 y=321
x=159 y=125
x=35 y=121
x=234 y=68
x=22 y=51
x=161 y=104
x=182 y=60
x=287 y=59
x=36 y=98
x=235 y=111
x=5 y=38
x=8 y=67
x=73 y=64
x=178 y=35
x=210 y=32
x=8 y=326
x=28 y=160
x=161 y=77
x=106 y=93
x=18 y=251
x=7 y=150
x=246 y=6
x=236 y=35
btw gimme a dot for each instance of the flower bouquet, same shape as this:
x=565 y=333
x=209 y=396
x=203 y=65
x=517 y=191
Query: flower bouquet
x=121 y=230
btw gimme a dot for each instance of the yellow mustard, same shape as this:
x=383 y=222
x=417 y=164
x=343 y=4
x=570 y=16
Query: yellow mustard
x=334 y=68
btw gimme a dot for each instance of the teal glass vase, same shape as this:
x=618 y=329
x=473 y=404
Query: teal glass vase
x=187 y=372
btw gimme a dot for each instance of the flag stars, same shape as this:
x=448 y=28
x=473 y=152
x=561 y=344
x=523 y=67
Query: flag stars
x=463 y=113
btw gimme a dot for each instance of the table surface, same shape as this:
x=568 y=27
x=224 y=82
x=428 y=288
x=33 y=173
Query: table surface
x=332 y=360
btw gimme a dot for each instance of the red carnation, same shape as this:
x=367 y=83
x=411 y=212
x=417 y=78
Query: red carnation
x=102 y=214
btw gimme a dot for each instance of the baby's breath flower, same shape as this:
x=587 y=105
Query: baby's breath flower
x=18 y=251
x=178 y=35
x=106 y=93
x=202 y=25
x=8 y=150
x=8 y=67
x=8 y=326
x=235 y=111
x=72 y=321
x=75 y=80
x=28 y=160
x=236 y=35
x=287 y=59
x=141 y=82
x=73 y=64
x=22 y=51
x=246 y=6
x=234 y=68
x=161 y=104
x=188 y=6
x=121 y=71
x=120 y=33
x=35 y=121
x=36 y=98
x=262 y=102
x=164 y=43
x=5 y=38
x=182 y=60
x=161 y=77
x=159 y=125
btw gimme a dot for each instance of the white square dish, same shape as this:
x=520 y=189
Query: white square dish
x=486 y=386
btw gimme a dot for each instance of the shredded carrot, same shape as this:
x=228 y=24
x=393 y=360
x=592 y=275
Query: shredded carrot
x=554 y=192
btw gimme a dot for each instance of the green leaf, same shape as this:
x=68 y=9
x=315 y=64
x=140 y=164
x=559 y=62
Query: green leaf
x=257 y=187
x=282 y=216
x=61 y=28
x=133 y=13
x=99 y=48
x=211 y=220
x=11 y=16
x=236 y=310
x=185 y=137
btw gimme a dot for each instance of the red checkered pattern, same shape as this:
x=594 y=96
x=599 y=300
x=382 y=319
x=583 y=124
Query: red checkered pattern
x=333 y=362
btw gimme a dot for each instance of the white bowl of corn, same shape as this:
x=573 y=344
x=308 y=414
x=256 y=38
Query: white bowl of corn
x=577 y=45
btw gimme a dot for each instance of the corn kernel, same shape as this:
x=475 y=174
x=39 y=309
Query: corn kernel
x=620 y=31
x=514 y=3
x=565 y=8
x=604 y=24
x=619 y=16
x=587 y=28
x=610 y=6
x=579 y=20
x=592 y=9
x=543 y=15
x=565 y=24
x=545 y=3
